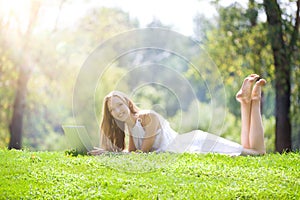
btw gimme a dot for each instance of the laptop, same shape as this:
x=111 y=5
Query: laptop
x=78 y=139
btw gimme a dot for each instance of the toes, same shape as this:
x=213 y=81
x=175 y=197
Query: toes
x=248 y=81
x=261 y=82
x=252 y=77
x=245 y=94
x=256 y=92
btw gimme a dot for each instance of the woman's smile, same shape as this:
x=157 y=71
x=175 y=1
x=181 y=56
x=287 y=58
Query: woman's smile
x=118 y=109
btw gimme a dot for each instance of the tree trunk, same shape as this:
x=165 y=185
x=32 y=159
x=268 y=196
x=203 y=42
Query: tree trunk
x=282 y=62
x=16 y=124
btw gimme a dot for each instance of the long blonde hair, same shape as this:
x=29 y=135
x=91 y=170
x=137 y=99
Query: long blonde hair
x=113 y=131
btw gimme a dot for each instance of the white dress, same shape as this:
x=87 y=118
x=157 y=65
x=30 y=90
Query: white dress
x=197 y=141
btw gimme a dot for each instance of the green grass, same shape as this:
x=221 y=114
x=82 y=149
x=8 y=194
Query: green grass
x=53 y=175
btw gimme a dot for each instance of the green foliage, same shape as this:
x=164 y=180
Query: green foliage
x=53 y=175
x=295 y=99
x=238 y=51
x=56 y=55
x=73 y=152
x=8 y=77
x=269 y=128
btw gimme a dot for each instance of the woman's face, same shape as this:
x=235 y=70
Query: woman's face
x=118 y=109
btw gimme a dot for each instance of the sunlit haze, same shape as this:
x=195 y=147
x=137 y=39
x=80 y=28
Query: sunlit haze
x=177 y=14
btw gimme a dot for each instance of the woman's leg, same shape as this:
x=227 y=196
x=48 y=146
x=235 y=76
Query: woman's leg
x=252 y=134
x=256 y=134
x=244 y=97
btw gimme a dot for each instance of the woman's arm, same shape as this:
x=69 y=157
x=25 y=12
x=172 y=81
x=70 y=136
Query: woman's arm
x=104 y=144
x=131 y=146
x=96 y=151
x=150 y=123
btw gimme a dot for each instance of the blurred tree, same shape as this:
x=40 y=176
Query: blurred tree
x=16 y=124
x=8 y=77
x=237 y=49
x=283 y=35
x=48 y=62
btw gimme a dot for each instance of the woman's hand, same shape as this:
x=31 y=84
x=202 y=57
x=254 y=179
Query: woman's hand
x=96 y=151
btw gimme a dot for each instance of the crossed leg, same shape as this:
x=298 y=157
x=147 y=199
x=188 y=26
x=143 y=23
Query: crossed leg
x=252 y=133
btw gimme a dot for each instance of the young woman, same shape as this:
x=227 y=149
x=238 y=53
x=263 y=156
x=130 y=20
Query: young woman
x=148 y=131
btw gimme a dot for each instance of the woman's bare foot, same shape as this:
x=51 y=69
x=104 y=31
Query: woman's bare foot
x=244 y=95
x=256 y=92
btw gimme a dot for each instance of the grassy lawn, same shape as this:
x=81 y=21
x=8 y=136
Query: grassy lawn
x=53 y=175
